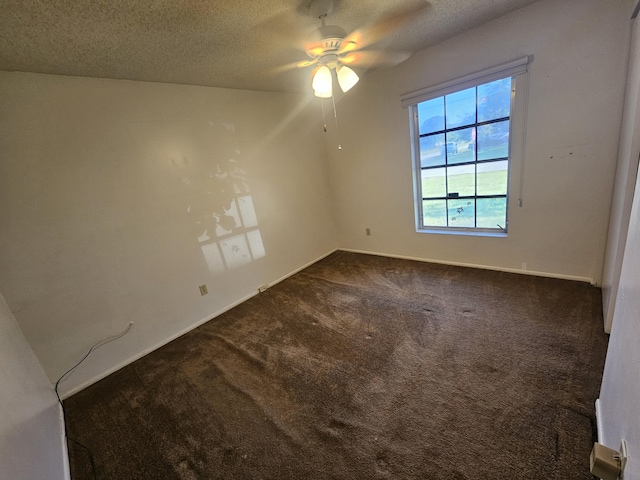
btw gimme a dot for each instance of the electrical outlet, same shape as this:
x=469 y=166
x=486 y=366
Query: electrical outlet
x=367 y=231
x=524 y=265
x=203 y=289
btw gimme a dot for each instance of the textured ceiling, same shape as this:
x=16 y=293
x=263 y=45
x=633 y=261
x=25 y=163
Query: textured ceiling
x=221 y=43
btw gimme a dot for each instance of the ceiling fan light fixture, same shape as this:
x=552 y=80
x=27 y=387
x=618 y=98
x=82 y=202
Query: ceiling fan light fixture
x=347 y=78
x=322 y=79
x=322 y=82
x=323 y=93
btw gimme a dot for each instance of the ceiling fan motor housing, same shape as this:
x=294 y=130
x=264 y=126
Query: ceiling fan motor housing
x=330 y=39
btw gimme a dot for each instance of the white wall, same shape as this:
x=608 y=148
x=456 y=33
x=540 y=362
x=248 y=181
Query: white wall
x=628 y=154
x=31 y=435
x=620 y=393
x=576 y=88
x=109 y=191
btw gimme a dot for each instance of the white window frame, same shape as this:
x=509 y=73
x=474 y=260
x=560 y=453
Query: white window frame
x=517 y=70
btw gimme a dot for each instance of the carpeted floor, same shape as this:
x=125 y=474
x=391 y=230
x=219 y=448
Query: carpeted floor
x=361 y=367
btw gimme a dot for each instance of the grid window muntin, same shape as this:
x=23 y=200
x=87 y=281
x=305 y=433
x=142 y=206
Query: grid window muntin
x=458 y=204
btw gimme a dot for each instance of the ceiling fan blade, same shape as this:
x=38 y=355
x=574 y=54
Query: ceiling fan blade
x=285 y=28
x=381 y=28
x=306 y=63
x=282 y=68
x=374 y=58
x=291 y=66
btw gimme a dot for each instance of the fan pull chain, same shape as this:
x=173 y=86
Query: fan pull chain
x=324 y=120
x=335 y=116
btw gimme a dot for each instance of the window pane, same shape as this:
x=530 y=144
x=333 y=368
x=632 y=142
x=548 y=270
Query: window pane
x=434 y=183
x=461 y=212
x=494 y=100
x=492 y=212
x=492 y=178
x=461 y=108
x=432 y=150
x=434 y=213
x=493 y=141
x=431 y=116
x=462 y=180
x=459 y=146
x=464 y=148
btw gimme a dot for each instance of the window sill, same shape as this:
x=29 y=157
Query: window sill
x=472 y=233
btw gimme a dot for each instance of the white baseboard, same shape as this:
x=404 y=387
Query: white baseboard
x=92 y=380
x=146 y=351
x=473 y=265
x=63 y=441
x=599 y=420
x=299 y=269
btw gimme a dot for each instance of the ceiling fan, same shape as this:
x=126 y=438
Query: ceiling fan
x=331 y=48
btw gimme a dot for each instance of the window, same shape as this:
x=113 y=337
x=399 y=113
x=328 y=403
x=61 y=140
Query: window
x=462 y=143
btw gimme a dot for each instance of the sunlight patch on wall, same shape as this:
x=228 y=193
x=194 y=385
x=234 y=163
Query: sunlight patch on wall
x=235 y=239
x=199 y=168
x=233 y=249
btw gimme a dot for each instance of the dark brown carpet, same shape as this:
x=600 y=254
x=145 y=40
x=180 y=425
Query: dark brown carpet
x=361 y=367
